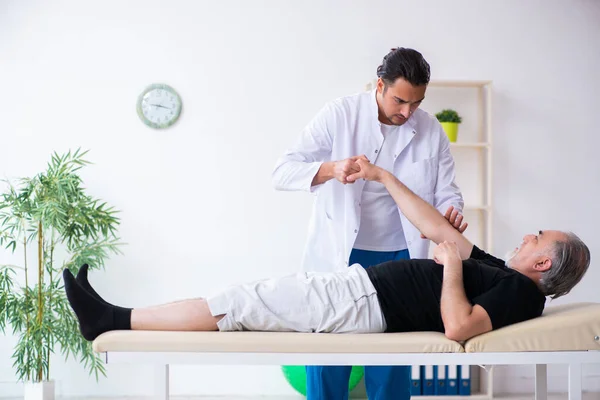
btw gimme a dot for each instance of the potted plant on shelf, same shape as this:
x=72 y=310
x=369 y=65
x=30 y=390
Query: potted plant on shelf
x=449 y=119
x=50 y=223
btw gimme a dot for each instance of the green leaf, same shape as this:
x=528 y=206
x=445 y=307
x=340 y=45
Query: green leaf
x=76 y=229
x=448 y=115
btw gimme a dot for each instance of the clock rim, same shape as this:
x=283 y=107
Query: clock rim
x=145 y=120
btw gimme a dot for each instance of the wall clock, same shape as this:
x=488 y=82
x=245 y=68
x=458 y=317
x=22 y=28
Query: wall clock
x=159 y=106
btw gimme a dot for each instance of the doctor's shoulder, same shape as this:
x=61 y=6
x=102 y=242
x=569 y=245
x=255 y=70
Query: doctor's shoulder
x=427 y=122
x=338 y=112
x=349 y=104
x=339 y=106
x=429 y=129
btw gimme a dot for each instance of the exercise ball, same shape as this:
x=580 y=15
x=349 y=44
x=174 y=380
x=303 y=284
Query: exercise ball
x=296 y=377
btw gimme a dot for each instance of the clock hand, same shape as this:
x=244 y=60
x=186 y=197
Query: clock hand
x=158 y=105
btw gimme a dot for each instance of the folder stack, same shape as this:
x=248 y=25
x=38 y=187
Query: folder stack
x=440 y=380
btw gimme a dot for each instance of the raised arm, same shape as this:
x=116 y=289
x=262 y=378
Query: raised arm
x=461 y=319
x=421 y=214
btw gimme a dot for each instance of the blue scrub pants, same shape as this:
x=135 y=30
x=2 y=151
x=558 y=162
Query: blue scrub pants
x=382 y=382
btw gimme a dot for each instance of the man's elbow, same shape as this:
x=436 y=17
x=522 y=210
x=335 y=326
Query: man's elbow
x=456 y=334
x=461 y=333
x=458 y=331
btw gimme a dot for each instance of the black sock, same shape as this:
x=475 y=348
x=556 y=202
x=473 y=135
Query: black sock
x=82 y=279
x=94 y=316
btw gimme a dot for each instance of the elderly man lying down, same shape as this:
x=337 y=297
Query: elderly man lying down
x=462 y=292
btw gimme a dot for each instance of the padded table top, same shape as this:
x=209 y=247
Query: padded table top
x=568 y=327
x=275 y=342
x=571 y=327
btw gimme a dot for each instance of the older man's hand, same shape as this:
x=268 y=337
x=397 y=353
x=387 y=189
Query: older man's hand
x=455 y=219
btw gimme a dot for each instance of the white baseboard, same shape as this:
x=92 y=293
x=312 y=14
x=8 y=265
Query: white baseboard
x=505 y=387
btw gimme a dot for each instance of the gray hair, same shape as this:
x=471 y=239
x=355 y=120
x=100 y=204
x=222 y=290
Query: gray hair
x=570 y=261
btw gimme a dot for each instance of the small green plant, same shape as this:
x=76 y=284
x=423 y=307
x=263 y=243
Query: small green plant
x=50 y=223
x=448 y=115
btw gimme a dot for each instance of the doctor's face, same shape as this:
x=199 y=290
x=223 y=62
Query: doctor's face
x=398 y=101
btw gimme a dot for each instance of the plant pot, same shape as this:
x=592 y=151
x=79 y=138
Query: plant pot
x=451 y=129
x=39 y=390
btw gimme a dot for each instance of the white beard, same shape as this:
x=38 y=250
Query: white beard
x=510 y=256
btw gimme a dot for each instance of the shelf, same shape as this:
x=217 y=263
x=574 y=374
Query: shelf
x=470 y=144
x=474 y=207
x=458 y=83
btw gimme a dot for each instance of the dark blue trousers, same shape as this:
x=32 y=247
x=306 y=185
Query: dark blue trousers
x=382 y=382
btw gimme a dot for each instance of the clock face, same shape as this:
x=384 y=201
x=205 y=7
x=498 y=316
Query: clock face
x=159 y=106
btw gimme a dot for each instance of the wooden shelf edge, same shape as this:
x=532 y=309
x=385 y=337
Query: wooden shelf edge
x=465 y=83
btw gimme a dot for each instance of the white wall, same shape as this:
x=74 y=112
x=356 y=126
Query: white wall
x=198 y=210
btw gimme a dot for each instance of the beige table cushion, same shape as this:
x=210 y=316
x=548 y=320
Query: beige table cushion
x=274 y=342
x=568 y=327
x=561 y=328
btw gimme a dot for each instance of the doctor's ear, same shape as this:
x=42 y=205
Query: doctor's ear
x=380 y=85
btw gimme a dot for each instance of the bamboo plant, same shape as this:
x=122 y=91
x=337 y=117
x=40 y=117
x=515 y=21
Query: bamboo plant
x=50 y=223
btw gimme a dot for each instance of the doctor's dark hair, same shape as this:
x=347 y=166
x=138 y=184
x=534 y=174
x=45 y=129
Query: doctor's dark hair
x=404 y=63
x=570 y=261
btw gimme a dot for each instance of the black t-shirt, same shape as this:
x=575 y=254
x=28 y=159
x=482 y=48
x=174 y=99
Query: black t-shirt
x=409 y=292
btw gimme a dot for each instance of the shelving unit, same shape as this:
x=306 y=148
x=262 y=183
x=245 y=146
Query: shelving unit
x=472 y=153
x=473 y=101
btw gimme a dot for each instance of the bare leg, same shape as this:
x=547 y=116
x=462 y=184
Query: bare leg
x=96 y=316
x=184 y=315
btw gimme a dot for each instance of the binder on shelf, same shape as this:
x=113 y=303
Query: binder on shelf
x=464 y=380
x=427 y=387
x=452 y=380
x=415 y=380
x=439 y=379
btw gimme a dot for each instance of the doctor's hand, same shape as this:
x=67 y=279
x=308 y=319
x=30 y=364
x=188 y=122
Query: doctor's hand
x=455 y=220
x=344 y=168
x=366 y=171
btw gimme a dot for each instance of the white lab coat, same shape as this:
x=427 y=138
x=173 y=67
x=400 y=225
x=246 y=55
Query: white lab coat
x=347 y=127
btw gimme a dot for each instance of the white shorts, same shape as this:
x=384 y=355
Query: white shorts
x=341 y=302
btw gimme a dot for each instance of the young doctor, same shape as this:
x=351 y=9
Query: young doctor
x=360 y=222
